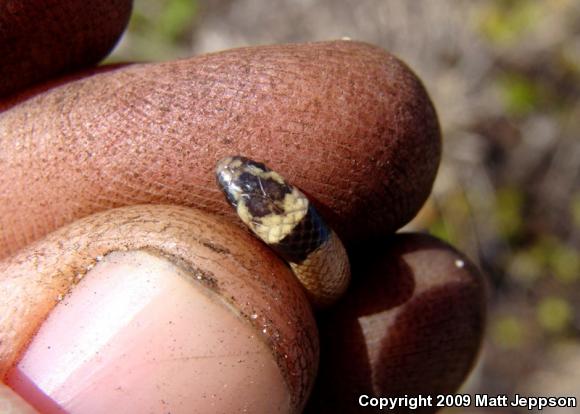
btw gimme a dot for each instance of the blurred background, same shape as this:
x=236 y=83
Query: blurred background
x=505 y=78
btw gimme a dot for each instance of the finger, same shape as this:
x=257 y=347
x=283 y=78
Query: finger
x=411 y=326
x=40 y=40
x=160 y=308
x=12 y=403
x=346 y=122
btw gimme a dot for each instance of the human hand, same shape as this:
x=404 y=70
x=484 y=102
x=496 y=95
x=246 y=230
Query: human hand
x=344 y=121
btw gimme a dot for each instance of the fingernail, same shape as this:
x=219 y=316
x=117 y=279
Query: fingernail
x=140 y=334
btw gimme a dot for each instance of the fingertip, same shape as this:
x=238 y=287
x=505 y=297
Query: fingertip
x=155 y=308
x=137 y=335
x=367 y=147
x=411 y=324
x=39 y=42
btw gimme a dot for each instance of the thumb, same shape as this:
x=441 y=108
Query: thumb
x=154 y=309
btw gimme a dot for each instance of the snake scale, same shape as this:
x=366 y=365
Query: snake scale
x=281 y=215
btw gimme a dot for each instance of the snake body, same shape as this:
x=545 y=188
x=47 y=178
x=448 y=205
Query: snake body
x=283 y=217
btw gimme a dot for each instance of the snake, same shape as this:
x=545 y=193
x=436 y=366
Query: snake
x=283 y=217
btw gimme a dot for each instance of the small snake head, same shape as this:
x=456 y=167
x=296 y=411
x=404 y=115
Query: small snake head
x=243 y=179
x=232 y=174
x=262 y=198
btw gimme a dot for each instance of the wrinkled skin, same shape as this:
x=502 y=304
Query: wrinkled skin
x=348 y=123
